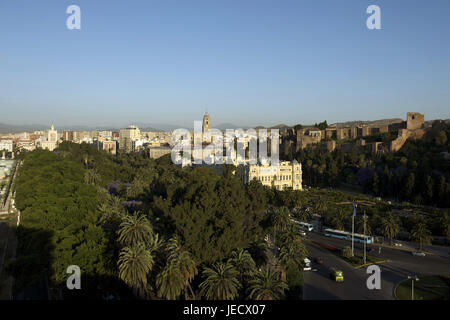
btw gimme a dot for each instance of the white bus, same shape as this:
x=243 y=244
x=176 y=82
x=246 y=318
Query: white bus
x=348 y=236
x=303 y=225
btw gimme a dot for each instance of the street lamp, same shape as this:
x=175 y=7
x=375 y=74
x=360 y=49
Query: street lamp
x=413 y=278
x=364 y=221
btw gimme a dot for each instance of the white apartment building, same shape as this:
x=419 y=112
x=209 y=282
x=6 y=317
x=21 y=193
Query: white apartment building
x=6 y=145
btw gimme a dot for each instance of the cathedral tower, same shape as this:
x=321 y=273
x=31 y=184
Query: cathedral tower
x=206 y=122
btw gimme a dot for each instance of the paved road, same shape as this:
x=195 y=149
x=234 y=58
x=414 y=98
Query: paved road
x=400 y=263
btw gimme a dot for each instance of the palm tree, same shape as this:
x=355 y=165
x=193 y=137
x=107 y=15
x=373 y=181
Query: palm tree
x=339 y=219
x=303 y=215
x=221 y=282
x=108 y=217
x=170 y=282
x=421 y=234
x=134 y=265
x=135 y=189
x=444 y=222
x=178 y=273
x=390 y=227
x=292 y=253
x=116 y=204
x=135 y=229
x=91 y=177
x=244 y=264
x=280 y=220
x=267 y=285
x=360 y=226
x=258 y=251
x=320 y=206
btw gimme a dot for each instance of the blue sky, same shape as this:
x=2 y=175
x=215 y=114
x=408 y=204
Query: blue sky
x=247 y=62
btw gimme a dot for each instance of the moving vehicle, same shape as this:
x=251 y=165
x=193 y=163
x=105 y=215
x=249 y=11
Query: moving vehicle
x=318 y=260
x=305 y=226
x=306 y=264
x=336 y=275
x=418 y=254
x=302 y=233
x=348 y=236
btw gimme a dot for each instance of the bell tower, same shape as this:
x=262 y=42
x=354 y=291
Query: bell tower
x=206 y=122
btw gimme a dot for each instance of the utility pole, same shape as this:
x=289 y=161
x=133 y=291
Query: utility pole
x=353 y=229
x=364 y=233
x=353 y=236
x=413 y=278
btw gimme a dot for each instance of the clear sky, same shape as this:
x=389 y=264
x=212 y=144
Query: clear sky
x=247 y=62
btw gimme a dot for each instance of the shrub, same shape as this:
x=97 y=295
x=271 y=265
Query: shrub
x=347 y=252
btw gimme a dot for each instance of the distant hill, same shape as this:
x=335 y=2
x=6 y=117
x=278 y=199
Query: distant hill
x=375 y=123
x=12 y=128
x=8 y=128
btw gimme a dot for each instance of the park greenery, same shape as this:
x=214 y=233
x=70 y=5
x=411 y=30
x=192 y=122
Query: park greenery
x=140 y=228
x=144 y=228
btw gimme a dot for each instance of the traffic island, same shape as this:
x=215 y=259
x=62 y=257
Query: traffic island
x=426 y=288
x=356 y=261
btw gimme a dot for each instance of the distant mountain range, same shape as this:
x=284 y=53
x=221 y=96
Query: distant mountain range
x=376 y=123
x=8 y=128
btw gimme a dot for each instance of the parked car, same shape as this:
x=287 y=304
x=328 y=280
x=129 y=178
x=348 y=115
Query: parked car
x=318 y=260
x=418 y=253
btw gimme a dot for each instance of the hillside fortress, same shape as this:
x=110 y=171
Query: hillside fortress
x=292 y=140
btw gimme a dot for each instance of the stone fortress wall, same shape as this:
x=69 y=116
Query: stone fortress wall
x=412 y=128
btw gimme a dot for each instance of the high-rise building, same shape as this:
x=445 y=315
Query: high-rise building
x=68 y=135
x=127 y=138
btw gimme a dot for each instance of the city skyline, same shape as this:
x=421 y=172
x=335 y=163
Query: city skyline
x=249 y=64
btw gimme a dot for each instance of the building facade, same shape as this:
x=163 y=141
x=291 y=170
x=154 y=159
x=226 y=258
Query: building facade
x=50 y=140
x=7 y=145
x=158 y=152
x=282 y=176
x=127 y=138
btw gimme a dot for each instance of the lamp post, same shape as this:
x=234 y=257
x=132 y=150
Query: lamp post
x=353 y=229
x=364 y=221
x=413 y=278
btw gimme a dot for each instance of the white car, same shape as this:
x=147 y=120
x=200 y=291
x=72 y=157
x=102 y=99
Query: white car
x=418 y=253
x=307 y=265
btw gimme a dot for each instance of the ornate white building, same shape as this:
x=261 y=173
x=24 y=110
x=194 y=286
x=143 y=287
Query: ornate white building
x=284 y=175
x=50 y=139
